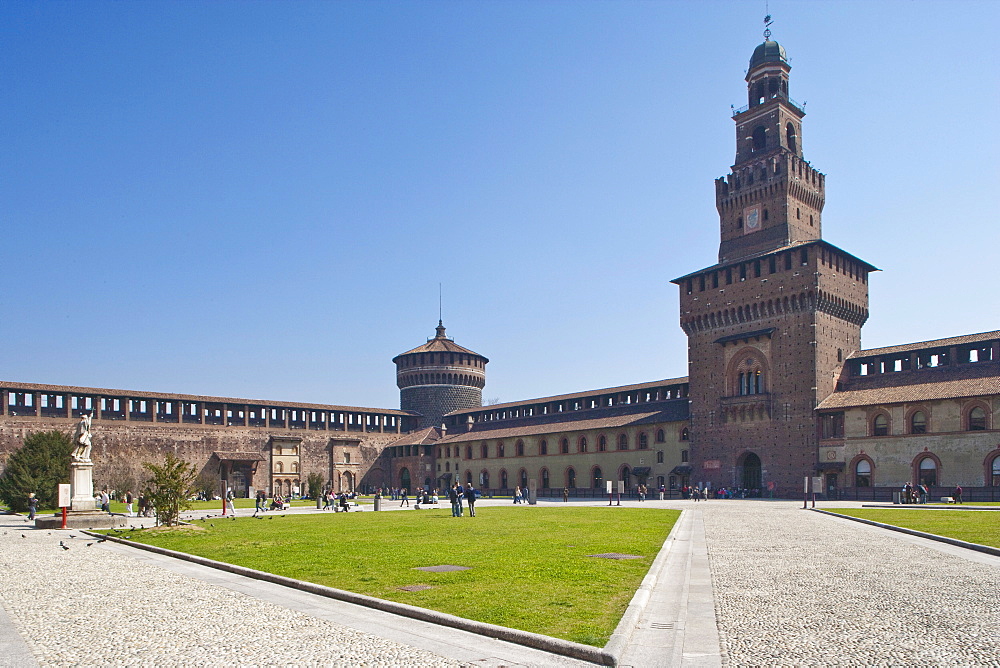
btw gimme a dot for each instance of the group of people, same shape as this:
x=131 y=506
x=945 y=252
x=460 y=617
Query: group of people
x=457 y=493
x=914 y=493
x=334 y=501
x=261 y=504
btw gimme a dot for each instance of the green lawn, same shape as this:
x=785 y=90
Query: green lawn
x=529 y=567
x=972 y=526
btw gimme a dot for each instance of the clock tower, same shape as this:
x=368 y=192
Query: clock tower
x=771 y=323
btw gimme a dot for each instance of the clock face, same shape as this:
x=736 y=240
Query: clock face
x=752 y=217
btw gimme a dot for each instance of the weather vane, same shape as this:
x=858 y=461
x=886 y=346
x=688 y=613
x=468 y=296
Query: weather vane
x=767 y=22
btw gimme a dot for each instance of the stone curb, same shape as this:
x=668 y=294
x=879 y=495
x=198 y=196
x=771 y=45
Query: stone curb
x=941 y=539
x=626 y=627
x=533 y=640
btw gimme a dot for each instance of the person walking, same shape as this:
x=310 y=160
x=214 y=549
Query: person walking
x=129 y=500
x=453 y=497
x=405 y=499
x=32 y=506
x=231 y=501
x=461 y=495
x=565 y=494
x=517 y=494
x=470 y=496
x=957 y=494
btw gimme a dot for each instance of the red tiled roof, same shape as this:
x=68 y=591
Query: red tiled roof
x=896 y=394
x=420 y=437
x=439 y=344
x=240 y=456
x=601 y=418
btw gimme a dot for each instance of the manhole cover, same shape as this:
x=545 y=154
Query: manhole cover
x=442 y=569
x=416 y=588
x=615 y=555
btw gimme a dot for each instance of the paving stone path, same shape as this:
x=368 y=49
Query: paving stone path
x=96 y=607
x=793 y=587
x=789 y=587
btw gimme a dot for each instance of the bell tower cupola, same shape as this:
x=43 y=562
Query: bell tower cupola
x=772 y=197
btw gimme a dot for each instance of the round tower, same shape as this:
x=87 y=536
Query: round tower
x=439 y=377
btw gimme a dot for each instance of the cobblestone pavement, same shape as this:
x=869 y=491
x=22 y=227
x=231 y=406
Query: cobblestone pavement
x=794 y=587
x=91 y=606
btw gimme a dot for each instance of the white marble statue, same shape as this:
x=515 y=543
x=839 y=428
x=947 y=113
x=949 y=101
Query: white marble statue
x=82 y=439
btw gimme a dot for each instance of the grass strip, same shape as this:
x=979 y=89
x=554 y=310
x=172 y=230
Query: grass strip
x=529 y=567
x=972 y=526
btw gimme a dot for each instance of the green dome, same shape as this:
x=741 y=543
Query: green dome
x=768 y=52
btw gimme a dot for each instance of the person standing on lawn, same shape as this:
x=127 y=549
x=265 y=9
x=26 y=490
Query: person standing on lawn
x=470 y=496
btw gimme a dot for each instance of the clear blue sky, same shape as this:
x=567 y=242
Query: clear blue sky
x=259 y=199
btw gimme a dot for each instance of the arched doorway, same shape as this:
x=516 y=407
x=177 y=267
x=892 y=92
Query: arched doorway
x=348 y=482
x=404 y=478
x=750 y=472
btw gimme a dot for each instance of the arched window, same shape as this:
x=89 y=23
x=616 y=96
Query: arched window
x=447 y=466
x=503 y=479
x=484 y=479
x=523 y=475
x=863 y=473
x=583 y=444
x=602 y=443
x=564 y=446
x=484 y=451
x=598 y=478
x=660 y=436
x=643 y=441
x=927 y=472
x=977 y=419
x=545 y=478
x=622 y=442
x=790 y=137
x=279 y=467
x=499 y=448
x=759 y=138
x=295 y=467
x=468 y=477
x=543 y=447
x=571 y=478
x=918 y=423
x=685 y=434
x=468 y=452
x=626 y=477
x=995 y=472
x=880 y=425
x=747 y=373
x=659 y=457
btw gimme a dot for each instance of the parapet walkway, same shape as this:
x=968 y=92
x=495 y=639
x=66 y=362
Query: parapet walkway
x=739 y=583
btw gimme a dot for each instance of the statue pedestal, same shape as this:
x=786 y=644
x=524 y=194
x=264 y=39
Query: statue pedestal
x=83 y=512
x=81 y=480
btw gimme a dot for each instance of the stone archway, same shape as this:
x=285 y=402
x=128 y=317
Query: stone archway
x=750 y=471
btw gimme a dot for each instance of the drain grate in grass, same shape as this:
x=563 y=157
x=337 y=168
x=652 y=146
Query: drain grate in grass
x=415 y=588
x=615 y=555
x=441 y=569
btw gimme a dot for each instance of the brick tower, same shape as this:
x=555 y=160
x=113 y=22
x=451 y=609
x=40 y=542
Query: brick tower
x=769 y=325
x=439 y=377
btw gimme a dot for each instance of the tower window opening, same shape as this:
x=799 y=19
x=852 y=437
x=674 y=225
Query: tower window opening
x=715 y=279
x=810 y=221
x=743 y=272
x=729 y=275
x=788 y=261
x=772 y=267
x=739 y=223
x=804 y=257
x=790 y=138
x=766 y=215
x=756 y=269
x=798 y=213
x=759 y=138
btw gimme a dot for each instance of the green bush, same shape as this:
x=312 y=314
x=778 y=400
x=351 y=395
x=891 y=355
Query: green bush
x=170 y=485
x=38 y=466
